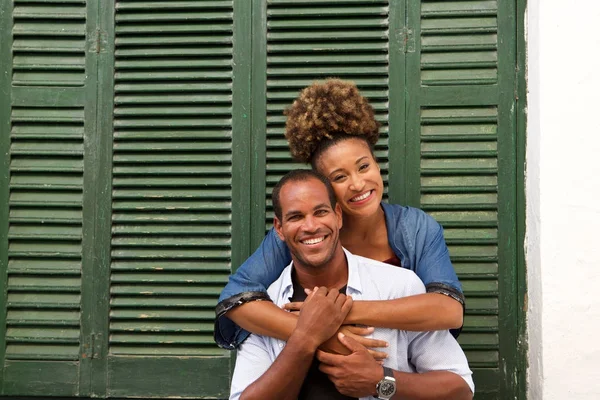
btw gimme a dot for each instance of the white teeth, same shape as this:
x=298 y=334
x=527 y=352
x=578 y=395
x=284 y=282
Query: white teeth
x=314 y=241
x=361 y=197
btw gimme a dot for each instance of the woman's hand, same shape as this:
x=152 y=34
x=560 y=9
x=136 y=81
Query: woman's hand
x=358 y=333
x=333 y=344
x=354 y=375
x=293 y=307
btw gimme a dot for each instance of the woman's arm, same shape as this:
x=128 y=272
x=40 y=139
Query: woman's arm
x=248 y=284
x=264 y=318
x=422 y=312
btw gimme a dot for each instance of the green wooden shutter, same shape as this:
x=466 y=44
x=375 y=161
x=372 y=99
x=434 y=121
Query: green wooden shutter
x=308 y=41
x=48 y=97
x=171 y=199
x=460 y=144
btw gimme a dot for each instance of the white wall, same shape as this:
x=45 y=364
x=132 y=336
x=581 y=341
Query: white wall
x=563 y=199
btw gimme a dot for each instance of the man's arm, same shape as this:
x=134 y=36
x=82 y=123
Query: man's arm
x=320 y=317
x=431 y=385
x=285 y=376
x=357 y=375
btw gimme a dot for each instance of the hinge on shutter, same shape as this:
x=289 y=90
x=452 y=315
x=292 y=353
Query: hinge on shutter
x=96 y=345
x=406 y=39
x=92 y=348
x=97 y=42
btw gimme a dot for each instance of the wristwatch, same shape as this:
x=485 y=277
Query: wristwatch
x=387 y=386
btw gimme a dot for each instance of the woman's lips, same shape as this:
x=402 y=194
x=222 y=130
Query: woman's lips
x=361 y=198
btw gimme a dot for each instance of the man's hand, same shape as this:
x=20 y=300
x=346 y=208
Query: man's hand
x=354 y=375
x=322 y=314
x=333 y=344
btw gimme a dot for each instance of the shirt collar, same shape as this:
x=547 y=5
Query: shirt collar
x=354 y=285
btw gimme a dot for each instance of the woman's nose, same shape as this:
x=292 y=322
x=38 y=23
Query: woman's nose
x=357 y=183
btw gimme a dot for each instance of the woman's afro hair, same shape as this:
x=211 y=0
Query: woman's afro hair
x=324 y=110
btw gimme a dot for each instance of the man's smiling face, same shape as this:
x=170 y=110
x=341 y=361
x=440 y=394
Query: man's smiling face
x=309 y=225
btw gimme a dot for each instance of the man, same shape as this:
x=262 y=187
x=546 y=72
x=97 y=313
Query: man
x=420 y=365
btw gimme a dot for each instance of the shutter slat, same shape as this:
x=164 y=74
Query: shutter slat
x=172 y=5
x=164 y=350
x=153 y=290
x=51 y=335
x=47 y=300
x=49 y=12
x=330 y=11
x=170 y=29
x=177 y=302
x=161 y=314
x=318 y=47
x=34 y=351
x=146 y=229
x=200 y=17
x=177 y=327
x=196 y=242
x=190 y=339
x=183 y=99
x=177 y=214
x=141 y=265
x=461 y=8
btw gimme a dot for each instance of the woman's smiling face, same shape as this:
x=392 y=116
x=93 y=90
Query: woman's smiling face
x=355 y=176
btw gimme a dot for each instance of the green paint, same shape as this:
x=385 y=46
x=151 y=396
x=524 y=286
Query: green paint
x=258 y=113
x=242 y=134
x=397 y=190
x=5 y=127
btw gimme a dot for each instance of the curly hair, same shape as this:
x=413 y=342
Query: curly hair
x=327 y=110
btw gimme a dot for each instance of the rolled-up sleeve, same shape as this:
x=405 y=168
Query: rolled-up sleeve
x=249 y=283
x=432 y=260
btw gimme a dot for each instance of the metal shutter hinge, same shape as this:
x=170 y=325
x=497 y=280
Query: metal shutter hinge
x=405 y=38
x=93 y=347
x=97 y=42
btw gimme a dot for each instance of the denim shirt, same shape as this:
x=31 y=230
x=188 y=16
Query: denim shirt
x=415 y=237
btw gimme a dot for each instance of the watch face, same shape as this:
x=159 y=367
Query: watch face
x=387 y=389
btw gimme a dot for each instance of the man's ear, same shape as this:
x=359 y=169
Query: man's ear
x=277 y=226
x=338 y=214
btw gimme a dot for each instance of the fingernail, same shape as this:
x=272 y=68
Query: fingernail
x=341 y=335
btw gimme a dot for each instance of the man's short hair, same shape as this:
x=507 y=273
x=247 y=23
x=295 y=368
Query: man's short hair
x=299 y=175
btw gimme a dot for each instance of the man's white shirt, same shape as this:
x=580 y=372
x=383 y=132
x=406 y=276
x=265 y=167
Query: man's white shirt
x=414 y=352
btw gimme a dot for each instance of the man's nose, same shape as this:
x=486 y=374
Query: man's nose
x=310 y=224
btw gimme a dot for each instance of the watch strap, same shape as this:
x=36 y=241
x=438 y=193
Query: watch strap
x=387 y=371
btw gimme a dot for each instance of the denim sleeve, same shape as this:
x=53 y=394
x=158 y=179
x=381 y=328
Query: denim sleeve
x=249 y=283
x=433 y=264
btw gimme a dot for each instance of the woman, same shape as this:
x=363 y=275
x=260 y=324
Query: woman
x=332 y=127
